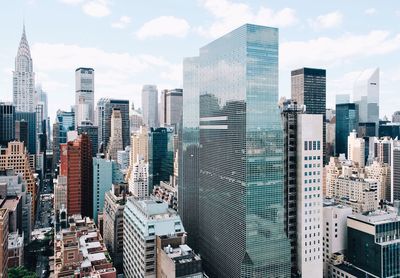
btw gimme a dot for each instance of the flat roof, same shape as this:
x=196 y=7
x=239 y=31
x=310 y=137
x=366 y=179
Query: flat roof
x=376 y=217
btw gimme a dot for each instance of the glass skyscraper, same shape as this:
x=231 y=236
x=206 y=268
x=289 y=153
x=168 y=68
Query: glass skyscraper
x=346 y=121
x=236 y=137
x=309 y=89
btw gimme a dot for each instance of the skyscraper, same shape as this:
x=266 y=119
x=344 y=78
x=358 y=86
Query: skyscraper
x=160 y=155
x=115 y=143
x=77 y=166
x=366 y=97
x=395 y=171
x=171 y=103
x=346 y=121
x=356 y=149
x=309 y=89
x=93 y=133
x=24 y=78
x=30 y=118
x=104 y=111
x=241 y=158
x=84 y=95
x=150 y=105
x=7 y=123
x=65 y=121
x=303 y=158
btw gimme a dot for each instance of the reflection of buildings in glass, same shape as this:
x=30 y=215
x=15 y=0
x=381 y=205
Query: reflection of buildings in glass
x=240 y=148
x=366 y=98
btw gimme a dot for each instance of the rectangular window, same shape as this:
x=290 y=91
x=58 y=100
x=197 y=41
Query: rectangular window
x=314 y=145
x=305 y=145
x=318 y=145
x=310 y=145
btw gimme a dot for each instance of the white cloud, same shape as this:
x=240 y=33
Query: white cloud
x=324 y=51
x=97 y=8
x=370 y=11
x=163 y=26
x=72 y=2
x=117 y=74
x=229 y=15
x=122 y=22
x=326 y=21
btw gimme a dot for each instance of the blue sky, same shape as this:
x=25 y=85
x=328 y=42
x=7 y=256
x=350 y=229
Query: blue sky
x=132 y=42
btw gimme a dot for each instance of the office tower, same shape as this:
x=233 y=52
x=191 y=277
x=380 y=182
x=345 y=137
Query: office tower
x=160 y=155
x=139 y=179
x=113 y=222
x=65 y=121
x=346 y=121
x=7 y=120
x=42 y=116
x=139 y=145
x=381 y=172
x=391 y=130
x=136 y=121
x=105 y=173
x=366 y=97
x=22 y=132
x=372 y=243
x=150 y=105
x=16 y=157
x=356 y=149
x=123 y=159
x=105 y=108
x=84 y=95
x=3 y=242
x=80 y=251
x=309 y=198
x=176 y=259
x=93 y=133
x=309 y=89
x=380 y=149
x=23 y=78
x=234 y=81
x=342 y=99
x=171 y=107
x=396 y=117
x=30 y=118
x=144 y=220
x=115 y=144
x=395 y=171
x=335 y=231
x=77 y=166
x=15 y=250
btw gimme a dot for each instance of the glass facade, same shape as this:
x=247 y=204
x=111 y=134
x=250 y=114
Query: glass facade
x=161 y=156
x=7 y=123
x=30 y=118
x=240 y=185
x=346 y=121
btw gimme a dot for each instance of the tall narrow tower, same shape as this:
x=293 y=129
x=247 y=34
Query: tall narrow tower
x=24 y=78
x=84 y=95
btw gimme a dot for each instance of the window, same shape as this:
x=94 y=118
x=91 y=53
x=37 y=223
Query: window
x=305 y=145
x=314 y=145
x=318 y=145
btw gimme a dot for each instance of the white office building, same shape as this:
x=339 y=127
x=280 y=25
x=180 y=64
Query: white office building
x=309 y=197
x=84 y=95
x=144 y=220
x=356 y=149
x=139 y=179
x=334 y=231
x=150 y=105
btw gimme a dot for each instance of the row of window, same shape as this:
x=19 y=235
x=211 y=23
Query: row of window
x=312 y=157
x=312 y=145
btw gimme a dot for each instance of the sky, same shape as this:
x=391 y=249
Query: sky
x=130 y=43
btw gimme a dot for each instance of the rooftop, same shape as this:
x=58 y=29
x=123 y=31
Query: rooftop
x=376 y=217
x=351 y=270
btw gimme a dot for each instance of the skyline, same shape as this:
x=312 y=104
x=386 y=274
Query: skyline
x=131 y=55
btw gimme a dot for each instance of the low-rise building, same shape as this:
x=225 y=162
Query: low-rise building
x=15 y=250
x=175 y=259
x=80 y=252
